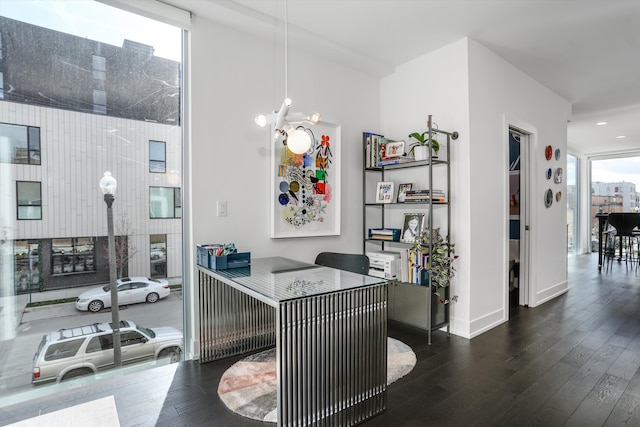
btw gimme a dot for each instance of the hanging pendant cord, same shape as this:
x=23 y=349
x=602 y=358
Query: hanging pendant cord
x=286 y=49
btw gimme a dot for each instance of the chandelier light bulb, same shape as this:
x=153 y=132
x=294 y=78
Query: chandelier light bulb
x=261 y=120
x=314 y=118
x=298 y=141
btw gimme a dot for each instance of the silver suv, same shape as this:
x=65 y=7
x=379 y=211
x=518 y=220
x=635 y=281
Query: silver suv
x=73 y=352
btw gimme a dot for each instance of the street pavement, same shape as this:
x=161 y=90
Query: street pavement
x=21 y=340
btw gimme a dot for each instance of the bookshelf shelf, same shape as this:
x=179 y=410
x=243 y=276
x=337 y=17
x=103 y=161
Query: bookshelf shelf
x=410 y=303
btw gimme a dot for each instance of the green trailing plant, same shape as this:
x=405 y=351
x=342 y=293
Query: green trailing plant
x=441 y=258
x=422 y=139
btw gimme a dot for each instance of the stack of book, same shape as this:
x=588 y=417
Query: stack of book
x=392 y=234
x=424 y=196
x=381 y=151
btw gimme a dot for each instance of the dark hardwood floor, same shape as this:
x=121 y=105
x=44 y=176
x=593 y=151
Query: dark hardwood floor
x=573 y=361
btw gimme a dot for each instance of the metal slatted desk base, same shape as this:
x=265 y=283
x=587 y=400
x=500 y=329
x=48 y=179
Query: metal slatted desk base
x=331 y=338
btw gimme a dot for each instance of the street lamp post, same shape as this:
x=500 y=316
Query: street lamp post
x=108 y=185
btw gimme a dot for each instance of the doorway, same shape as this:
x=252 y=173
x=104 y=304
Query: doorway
x=518 y=286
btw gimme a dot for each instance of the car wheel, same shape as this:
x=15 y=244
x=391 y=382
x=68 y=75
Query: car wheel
x=173 y=354
x=76 y=373
x=152 y=297
x=95 y=306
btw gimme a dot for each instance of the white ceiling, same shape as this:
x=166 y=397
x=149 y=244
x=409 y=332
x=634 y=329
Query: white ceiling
x=587 y=51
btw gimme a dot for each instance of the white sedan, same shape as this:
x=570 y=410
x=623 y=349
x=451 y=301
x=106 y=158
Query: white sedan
x=131 y=290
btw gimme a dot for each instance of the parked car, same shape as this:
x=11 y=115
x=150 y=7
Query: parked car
x=85 y=350
x=131 y=290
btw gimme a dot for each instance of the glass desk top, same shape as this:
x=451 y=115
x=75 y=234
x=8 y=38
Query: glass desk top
x=280 y=279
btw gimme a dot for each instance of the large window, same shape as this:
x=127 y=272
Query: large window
x=573 y=236
x=165 y=202
x=19 y=144
x=86 y=87
x=29 y=200
x=157 y=156
x=72 y=255
x=27 y=265
x=158 y=255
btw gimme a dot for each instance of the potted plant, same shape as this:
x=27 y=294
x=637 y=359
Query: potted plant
x=420 y=147
x=441 y=258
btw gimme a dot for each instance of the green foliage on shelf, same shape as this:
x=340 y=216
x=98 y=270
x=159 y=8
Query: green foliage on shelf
x=422 y=140
x=441 y=258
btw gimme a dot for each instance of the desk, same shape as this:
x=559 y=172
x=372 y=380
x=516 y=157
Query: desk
x=329 y=328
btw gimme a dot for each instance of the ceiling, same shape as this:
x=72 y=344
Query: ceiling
x=587 y=51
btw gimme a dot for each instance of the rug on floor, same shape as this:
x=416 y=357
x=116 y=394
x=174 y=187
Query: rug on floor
x=249 y=386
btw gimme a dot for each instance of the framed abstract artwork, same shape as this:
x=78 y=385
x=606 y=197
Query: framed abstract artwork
x=305 y=188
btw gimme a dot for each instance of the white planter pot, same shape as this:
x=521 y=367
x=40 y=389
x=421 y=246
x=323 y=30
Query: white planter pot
x=420 y=152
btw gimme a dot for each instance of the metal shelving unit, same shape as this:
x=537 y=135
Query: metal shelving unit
x=410 y=303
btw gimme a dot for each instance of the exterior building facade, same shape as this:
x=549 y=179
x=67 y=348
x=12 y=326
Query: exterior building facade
x=613 y=197
x=71 y=109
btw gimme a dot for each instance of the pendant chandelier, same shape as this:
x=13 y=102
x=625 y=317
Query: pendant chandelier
x=287 y=126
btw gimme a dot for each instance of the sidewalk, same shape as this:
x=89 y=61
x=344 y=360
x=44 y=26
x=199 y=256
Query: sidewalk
x=48 y=311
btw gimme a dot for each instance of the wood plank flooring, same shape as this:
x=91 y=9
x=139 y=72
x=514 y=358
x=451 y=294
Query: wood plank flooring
x=574 y=361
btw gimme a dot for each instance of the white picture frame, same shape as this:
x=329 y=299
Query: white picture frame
x=384 y=192
x=393 y=149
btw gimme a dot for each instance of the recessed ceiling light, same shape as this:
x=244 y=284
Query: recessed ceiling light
x=621 y=136
x=601 y=123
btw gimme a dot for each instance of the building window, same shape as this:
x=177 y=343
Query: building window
x=29 y=200
x=99 y=67
x=157 y=156
x=165 y=202
x=99 y=101
x=19 y=144
x=27 y=265
x=72 y=255
x=158 y=255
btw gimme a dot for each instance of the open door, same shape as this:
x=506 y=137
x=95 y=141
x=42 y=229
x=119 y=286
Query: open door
x=518 y=253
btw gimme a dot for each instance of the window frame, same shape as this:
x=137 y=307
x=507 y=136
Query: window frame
x=74 y=256
x=175 y=198
x=33 y=148
x=22 y=205
x=153 y=161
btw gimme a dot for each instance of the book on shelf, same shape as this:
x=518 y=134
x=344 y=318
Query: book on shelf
x=392 y=234
x=424 y=196
x=381 y=151
x=425 y=192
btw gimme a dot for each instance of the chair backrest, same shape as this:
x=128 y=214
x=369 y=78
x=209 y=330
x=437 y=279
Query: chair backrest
x=356 y=263
x=624 y=222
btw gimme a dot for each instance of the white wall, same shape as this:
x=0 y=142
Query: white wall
x=230 y=154
x=469 y=89
x=501 y=95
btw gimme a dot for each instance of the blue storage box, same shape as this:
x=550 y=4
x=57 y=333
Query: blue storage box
x=204 y=258
x=237 y=260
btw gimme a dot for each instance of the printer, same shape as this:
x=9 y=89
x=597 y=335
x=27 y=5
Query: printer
x=384 y=264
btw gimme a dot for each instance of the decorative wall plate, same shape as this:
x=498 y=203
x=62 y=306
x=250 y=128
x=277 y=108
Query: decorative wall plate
x=557 y=177
x=549 y=173
x=558 y=196
x=548 y=198
x=548 y=152
x=557 y=154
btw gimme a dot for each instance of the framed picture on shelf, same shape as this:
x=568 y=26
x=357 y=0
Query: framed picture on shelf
x=412 y=226
x=384 y=192
x=393 y=149
x=402 y=191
